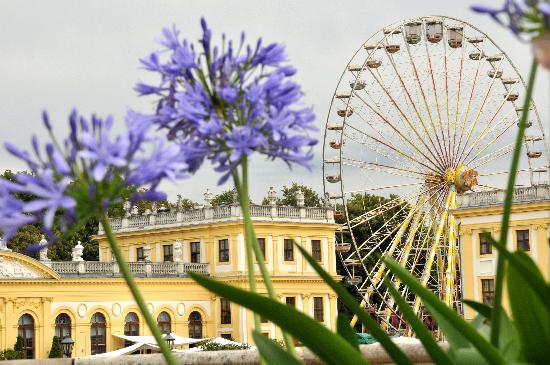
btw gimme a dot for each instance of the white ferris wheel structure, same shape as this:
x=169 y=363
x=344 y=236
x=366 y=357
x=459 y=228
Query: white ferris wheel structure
x=426 y=110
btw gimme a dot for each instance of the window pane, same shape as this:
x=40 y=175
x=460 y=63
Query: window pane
x=225 y=311
x=316 y=249
x=168 y=253
x=261 y=243
x=484 y=246
x=223 y=250
x=318 y=309
x=291 y=301
x=195 y=252
x=522 y=237
x=288 y=250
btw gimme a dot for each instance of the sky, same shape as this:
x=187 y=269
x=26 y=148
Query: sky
x=56 y=55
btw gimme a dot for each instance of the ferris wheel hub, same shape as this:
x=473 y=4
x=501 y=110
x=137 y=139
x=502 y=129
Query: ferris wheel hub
x=462 y=177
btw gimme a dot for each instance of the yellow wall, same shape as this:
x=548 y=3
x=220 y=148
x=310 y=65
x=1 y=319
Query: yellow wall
x=80 y=297
x=533 y=216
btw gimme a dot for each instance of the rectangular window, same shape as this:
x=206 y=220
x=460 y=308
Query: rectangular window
x=484 y=246
x=289 y=250
x=264 y=320
x=522 y=237
x=225 y=314
x=223 y=252
x=168 y=253
x=261 y=243
x=140 y=254
x=316 y=249
x=487 y=290
x=291 y=301
x=318 y=309
x=195 y=252
x=227 y=336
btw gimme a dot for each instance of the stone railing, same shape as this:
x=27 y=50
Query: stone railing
x=139 y=269
x=206 y=215
x=496 y=197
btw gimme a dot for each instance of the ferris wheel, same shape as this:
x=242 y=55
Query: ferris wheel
x=426 y=110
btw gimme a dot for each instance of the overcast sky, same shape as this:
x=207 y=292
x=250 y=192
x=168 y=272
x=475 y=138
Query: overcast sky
x=57 y=55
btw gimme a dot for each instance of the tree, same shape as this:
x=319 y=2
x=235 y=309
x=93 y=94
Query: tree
x=18 y=344
x=55 y=351
x=311 y=197
x=224 y=198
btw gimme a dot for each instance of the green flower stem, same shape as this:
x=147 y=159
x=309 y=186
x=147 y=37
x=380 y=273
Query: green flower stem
x=125 y=270
x=252 y=244
x=496 y=314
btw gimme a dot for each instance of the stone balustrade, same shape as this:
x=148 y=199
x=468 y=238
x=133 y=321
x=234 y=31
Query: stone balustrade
x=496 y=197
x=138 y=269
x=209 y=214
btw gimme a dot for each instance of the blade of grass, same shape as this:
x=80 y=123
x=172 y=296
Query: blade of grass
x=437 y=355
x=344 y=329
x=486 y=349
x=483 y=309
x=497 y=301
x=272 y=353
x=378 y=333
x=330 y=347
x=526 y=268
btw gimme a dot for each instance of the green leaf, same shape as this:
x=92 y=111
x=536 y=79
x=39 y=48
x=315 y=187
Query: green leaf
x=531 y=316
x=272 y=353
x=508 y=343
x=525 y=266
x=451 y=323
x=344 y=329
x=480 y=308
x=381 y=336
x=437 y=355
x=468 y=356
x=330 y=347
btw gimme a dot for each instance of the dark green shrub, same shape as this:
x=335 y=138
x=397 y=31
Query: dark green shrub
x=55 y=351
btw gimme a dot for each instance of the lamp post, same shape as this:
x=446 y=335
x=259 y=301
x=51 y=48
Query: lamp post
x=67 y=346
x=169 y=339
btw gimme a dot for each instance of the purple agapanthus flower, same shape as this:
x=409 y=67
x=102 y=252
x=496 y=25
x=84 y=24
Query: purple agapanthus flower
x=226 y=103
x=528 y=17
x=80 y=177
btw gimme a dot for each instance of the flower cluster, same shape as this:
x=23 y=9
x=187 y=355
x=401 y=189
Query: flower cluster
x=528 y=17
x=223 y=104
x=80 y=177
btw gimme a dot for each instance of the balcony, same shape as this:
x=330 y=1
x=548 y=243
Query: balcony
x=139 y=269
x=496 y=197
x=209 y=215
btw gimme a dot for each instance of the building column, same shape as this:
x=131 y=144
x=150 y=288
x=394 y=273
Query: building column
x=333 y=302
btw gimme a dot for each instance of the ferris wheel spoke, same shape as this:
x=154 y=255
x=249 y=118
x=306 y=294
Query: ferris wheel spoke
x=403 y=117
x=474 y=123
x=490 y=157
x=413 y=64
x=461 y=156
x=390 y=147
x=373 y=166
x=468 y=106
x=408 y=96
x=488 y=144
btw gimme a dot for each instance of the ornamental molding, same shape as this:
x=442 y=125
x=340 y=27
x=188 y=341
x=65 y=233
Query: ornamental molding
x=15 y=266
x=27 y=302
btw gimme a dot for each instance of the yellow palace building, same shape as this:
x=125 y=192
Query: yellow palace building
x=90 y=301
x=529 y=231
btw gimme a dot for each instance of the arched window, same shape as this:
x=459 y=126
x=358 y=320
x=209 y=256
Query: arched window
x=62 y=326
x=26 y=331
x=195 y=325
x=131 y=327
x=164 y=322
x=98 y=334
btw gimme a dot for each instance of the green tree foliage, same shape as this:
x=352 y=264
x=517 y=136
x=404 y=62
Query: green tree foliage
x=18 y=344
x=11 y=354
x=61 y=251
x=213 y=346
x=55 y=351
x=311 y=197
x=224 y=198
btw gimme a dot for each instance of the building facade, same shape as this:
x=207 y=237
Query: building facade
x=529 y=231
x=90 y=301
